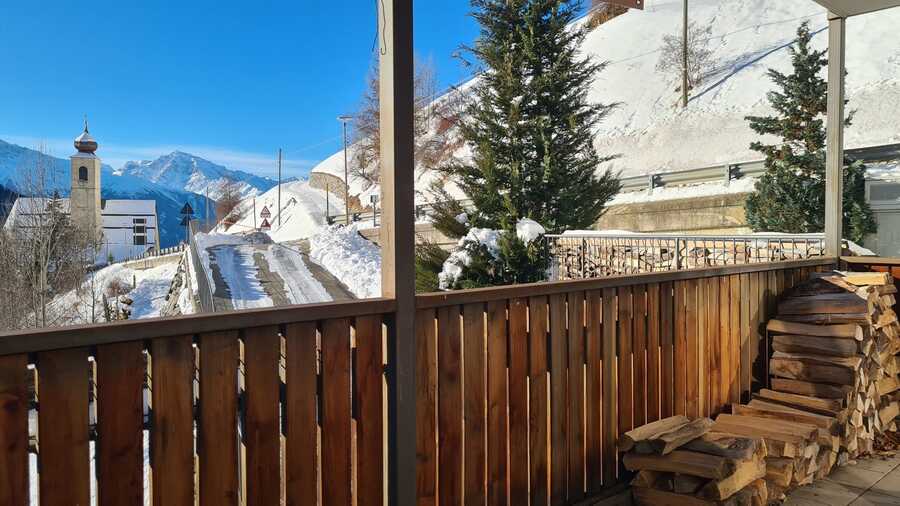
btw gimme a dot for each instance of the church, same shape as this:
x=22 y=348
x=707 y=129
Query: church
x=128 y=228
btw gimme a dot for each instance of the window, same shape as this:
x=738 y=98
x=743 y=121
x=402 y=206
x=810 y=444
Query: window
x=139 y=221
x=140 y=240
x=82 y=173
x=140 y=229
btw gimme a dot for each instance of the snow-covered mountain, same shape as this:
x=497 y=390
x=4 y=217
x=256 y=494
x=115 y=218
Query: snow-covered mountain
x=16 y=162
x=187 y=172
x=652 y=133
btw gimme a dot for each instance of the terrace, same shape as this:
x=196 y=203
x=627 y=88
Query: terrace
x=507 y=395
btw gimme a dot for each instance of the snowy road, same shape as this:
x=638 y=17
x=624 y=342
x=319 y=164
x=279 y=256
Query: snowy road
x=235 y=276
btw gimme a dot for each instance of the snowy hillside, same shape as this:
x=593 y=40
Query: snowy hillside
x=652 y=133
x=184 y=171
x=16 y=161
x=302 y=211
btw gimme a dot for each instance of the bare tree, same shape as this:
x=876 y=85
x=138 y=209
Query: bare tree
x=227 y=205
x=700 y=56
x=601 y=12
x=431 y=137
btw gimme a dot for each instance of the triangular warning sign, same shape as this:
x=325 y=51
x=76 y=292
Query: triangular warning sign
x=265 y=224
x=265 y=212
x=187 y=209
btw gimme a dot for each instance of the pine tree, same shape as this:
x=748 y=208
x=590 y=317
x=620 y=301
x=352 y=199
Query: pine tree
x=531 y=130
x=790 y=196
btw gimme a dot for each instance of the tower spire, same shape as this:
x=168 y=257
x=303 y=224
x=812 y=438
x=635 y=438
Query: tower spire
x=85 y=123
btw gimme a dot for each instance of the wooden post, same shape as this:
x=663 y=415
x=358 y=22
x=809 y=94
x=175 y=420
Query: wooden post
x=834 y=159
x=398 y=241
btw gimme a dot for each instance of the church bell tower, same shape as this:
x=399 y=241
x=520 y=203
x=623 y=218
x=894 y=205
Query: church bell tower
x=84 y=201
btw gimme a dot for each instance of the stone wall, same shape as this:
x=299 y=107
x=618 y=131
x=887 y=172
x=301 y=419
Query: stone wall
x=719 y=214
x=335 y=185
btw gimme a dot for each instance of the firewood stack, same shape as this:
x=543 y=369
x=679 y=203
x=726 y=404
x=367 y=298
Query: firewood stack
x=834 y=354
x=834 y=388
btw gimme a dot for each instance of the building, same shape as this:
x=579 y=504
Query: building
x=127 y=228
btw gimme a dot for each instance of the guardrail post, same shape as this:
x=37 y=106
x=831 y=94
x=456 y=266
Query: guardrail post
x=677 y=254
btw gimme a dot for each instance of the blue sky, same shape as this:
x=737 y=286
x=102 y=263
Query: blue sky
x=229 y=81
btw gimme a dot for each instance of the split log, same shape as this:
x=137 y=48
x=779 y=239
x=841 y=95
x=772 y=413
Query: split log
x=846 y=331
x=825 y=304
x=681 y=461
x=780 y=471
x=745 y=474
x=812 y=370
x=789 y=343
x=810 y=389
x=688 y=484
x=727 y=445
x=667 y=442
x=628 y=440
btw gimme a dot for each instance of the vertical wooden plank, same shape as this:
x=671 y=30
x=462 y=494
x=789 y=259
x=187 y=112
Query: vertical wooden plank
x=702 y=337
x=368 y=390
x=262 y=348
x=120 y=422
x=723 y=381
x=518 y=402
x=171 y=437
x=610 y=388
x=450 y=407
x=746 y=345
x=474 y=404
x=667 y=373
x=757 y=330
x=301 y=410
x=653 y=353
x=681 y=355
x=559 y=452
x=14 y=435
x=594 y=392
x=63 y=426
x=497 y=406
x=217 y=445
x=692 y=348
x=639 y=325
x=713 y=346
x=625 y=364
x=575 y=394
x=336 y=412
x=735 y=318
x=426 y=404
x=772 y=305
x=538 y=409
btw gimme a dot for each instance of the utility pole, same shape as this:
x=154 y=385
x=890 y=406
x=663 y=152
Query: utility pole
x=279 y=187
x=327 y=204
x=254 y=213
x=684 y=55
x=206 y=216
x=344 y=119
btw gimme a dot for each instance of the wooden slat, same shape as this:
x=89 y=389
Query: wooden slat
x=262 y=348
x=368 y=390
x=496 y=407
x=667 y=349
x=714 y=347
x=639 y=326
x=559 y=452
x=449 y=406
x=63 y=425
x=538 y=412
x=653 y=354
x=735 y=319
x=120 y=420
x=625 y=364
x=301 y=411
x=217 y=445
x=692 y=349
x=518 y=401
x=594 y=392
x=754 y=338
x=680 y=342
x=336 y=412
x=171 y=438
x=745 y=364
x=702 y=338
x=610 y=388
x=723 y=383
x=575 y=394
x=772 y=311
x=474 y=403
x=14 y=435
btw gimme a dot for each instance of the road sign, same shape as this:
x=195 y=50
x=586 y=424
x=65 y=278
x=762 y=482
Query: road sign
x=265 y=224
x=185 y=221
x=187 y=210
x=265 y=213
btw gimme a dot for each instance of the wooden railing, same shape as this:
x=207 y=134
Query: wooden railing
x=522 y=392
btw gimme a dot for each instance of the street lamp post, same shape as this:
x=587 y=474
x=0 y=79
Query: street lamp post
x=344 y=118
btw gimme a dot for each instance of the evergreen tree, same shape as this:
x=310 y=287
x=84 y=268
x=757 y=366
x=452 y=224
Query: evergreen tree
x=531 y=130
x=790 y=196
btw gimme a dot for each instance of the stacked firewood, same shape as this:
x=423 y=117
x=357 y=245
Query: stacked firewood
x=682 y=461
x=834 y=353
x=834 y=389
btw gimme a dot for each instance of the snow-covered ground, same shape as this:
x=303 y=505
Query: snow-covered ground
x=350 y=257
x=303 y=211
x=300 y=286
x=652 y=133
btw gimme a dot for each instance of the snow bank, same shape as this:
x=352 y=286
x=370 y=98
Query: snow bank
x=352 y=259
x=528 y=230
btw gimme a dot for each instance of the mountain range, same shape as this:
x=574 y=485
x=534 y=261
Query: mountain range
x=183 y=171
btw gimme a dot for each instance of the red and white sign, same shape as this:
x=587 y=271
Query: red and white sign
x=265 y=212
x=265 y=224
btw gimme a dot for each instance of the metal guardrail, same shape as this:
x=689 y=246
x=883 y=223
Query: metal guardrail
x=599 y=255
x=204 y=281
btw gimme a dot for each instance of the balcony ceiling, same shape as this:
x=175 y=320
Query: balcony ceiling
x=847 y=8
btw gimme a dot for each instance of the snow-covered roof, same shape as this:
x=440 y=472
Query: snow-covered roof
x=130 y=207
